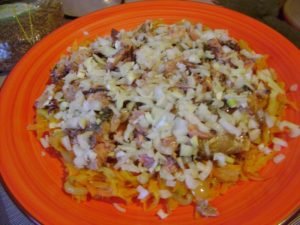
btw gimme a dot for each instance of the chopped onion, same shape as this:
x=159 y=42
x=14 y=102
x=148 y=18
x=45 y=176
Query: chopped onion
x=171 y=183
x=164 y=194
x=205 y=209
x=221 y=158
x=266 y=150
x=143 y=193
x=279 y=158
x=269 y=120
x=194 y=142
x=45 y=141
x=294 y=87
x=190 y=182
x=128 y=132
x=186 y=150
x=206 y=149
x=295 y=132
x=143 y=178
x=294 y=128
x=280 y=142
x=65 y=140
x=162 y=215
x=206 y=171
x=85 y=33
x=252 y=124
x=119 y=208
x=83 y=140
x=229 y=127
x=191 y=118
x=277 y=148
x=180 y=127
x=254 y=134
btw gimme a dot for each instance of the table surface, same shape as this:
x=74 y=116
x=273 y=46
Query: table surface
x=2 y=78
x=10 y=214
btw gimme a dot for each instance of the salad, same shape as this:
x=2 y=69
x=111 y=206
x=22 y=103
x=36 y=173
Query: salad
x=169 y=114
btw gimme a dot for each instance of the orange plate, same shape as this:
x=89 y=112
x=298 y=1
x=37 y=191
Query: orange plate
x=36 y=181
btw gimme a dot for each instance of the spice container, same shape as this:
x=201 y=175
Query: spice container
x=22 y=24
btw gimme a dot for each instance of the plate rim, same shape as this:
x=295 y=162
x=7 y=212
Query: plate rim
x=35 y=48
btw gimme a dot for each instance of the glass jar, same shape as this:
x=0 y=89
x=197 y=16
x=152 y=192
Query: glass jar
x=22 y=24
x=82 y=7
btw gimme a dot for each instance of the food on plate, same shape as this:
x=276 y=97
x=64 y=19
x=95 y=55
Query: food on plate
x=163 y=114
